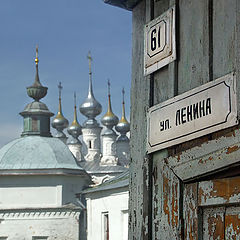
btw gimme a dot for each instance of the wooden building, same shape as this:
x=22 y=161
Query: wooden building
x=191 y=189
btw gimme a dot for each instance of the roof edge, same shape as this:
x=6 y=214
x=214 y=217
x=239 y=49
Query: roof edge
x=54 y=171
x=125 y=4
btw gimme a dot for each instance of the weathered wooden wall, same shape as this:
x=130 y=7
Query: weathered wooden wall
x=138 y=200
x=167 y=200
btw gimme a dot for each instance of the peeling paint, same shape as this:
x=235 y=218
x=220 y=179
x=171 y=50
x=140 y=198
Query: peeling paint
x=190 y=212
x=219 y=191
x=213 y=224
x=232 y=149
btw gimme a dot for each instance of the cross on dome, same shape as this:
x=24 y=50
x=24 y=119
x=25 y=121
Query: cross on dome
x=60 y=89
x=89 y=57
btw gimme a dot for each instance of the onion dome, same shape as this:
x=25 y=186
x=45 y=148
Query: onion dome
x=37 y=91
x=123 y=125
x=60 y=122
x=109 y=119
x=90 y=107
x=36 y=114
x=75 y=130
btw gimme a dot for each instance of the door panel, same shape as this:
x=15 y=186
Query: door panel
x=213 y=223
x=232 y=223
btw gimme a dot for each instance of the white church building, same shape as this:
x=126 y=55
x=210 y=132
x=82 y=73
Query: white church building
x=65 y=188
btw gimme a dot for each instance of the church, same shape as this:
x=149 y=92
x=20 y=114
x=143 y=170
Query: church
x=44 y=179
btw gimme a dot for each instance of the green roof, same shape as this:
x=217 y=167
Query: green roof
x=36 y=152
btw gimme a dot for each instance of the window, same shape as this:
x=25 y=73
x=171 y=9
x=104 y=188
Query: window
x=90 y=144
x=105 y=219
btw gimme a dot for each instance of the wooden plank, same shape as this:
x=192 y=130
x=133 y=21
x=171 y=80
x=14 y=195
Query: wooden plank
x=190 y=211
x=166 y=200
x=166 y=187
x=193 y=56
x=164 y=79
x=232 y=223
x=237 y=52
x=138 y=207
x=213 y=223
x=224 y=37
x=207 y=157
x=219 y=191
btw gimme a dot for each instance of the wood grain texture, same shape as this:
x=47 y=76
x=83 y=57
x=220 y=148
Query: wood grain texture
x=193 y=65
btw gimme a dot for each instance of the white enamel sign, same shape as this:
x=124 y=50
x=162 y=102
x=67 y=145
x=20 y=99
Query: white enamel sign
x=159 y=42
x=203 y=110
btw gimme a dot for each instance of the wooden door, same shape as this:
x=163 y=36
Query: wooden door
x=212 y=209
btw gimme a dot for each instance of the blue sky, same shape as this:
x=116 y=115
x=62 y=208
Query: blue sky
x=65 y=31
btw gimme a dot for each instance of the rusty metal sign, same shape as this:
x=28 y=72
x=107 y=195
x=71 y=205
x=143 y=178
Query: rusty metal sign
x=203 y=110
x=159 y=42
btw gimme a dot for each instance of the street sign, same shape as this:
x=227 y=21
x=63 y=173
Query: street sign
x=203 y=110
x=159 y=42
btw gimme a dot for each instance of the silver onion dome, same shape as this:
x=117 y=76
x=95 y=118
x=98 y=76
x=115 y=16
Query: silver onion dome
x=60 y=122
x=123 y=125
x=90 y=107
x=109 y=119
x=75 y=129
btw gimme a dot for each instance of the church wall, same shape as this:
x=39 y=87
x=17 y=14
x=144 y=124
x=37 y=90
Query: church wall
x=30 y=191
x=61 y=224
x=15 y=197
x=115 y=204
x=39 y=191
x=71 y=186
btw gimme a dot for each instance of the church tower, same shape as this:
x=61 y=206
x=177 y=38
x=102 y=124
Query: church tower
x=109 y=120
x=36 y=114
x=75 y=130
x=60 y=122
x=123 y=147
x=91 y=129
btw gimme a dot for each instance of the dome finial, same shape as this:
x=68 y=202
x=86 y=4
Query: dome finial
x=109 y=85
x=123 y=106
x=109 y=119
x=60 y=122
x=36 y=59
x=123 y=125
x=109 y=98
x=89 y=57
x=90 y=91
x=75 y=130
x=123 y=93
x=75 y=110
x=90 y=107
x=37 y=81
x=59 y=98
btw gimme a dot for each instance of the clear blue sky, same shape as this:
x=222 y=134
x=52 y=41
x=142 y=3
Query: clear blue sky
x=64 y=30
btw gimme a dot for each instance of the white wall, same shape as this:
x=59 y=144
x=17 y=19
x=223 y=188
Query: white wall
x=24 y=225
x=39 y=191
x=115 y=202
x=36 y=206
